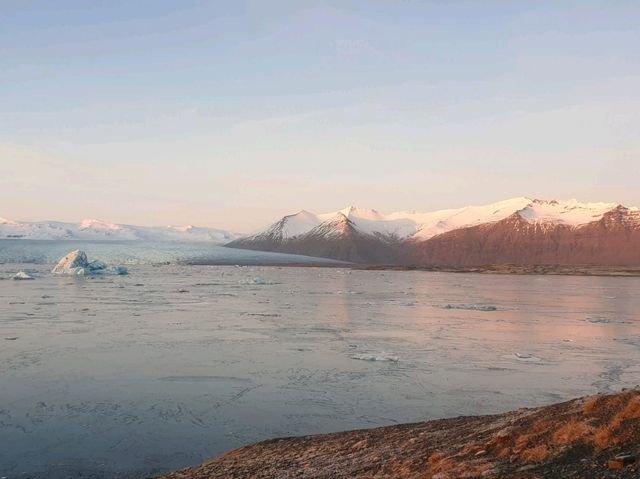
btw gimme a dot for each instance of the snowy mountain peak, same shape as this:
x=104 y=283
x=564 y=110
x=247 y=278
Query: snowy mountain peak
x=182 y=229
x=339 y=219
x=568 y=212
x=99 y=225
x=422 y=226
x=334 y=227
x=361 y=213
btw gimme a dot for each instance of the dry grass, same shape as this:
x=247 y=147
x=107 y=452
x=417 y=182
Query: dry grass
x=604 y=437
x=631 y=411
x=608 y=435
x=535 y=454
x=573 y=435
x=572 y=432
x=592 y=404
x=437 y=462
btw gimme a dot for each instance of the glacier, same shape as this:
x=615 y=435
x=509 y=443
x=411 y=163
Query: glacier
x=145 y=252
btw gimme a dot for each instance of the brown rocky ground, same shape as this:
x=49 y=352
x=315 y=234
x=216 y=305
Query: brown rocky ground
x=550 y=269
x=592 y=437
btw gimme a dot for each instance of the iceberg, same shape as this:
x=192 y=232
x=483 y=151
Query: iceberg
x=22 y=275
x=76 y=263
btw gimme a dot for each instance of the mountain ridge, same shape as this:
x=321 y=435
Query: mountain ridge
x=93 y=229
x=518 y=230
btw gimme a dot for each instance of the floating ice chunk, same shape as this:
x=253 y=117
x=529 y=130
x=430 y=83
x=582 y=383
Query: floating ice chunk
x=76 y=263
x=121 y=270
x=603 y=320
x=526 y=357
x=254 y=280
x=598 y=319
x=72 y=263
x=630 y=340
x=472 y=307
x=22 y=275
x=376 y=357
x=97 y=265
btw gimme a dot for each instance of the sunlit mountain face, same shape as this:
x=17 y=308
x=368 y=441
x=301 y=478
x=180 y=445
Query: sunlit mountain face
x=518 y=230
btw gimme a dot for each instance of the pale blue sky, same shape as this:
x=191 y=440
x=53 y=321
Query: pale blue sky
x=231 y=114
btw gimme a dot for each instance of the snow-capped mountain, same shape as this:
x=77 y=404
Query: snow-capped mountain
x=366 y=235
x=528 y=237
x=92 y=229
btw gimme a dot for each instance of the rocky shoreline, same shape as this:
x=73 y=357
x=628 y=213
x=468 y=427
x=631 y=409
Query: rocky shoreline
x=591 y=437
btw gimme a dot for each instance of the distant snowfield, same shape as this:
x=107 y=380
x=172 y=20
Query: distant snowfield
x=101 y=230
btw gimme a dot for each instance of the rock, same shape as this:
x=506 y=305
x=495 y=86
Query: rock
x=22 y=275
x=494 y=472
x=621 y=461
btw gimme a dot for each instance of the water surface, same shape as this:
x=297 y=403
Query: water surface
x=129 y=376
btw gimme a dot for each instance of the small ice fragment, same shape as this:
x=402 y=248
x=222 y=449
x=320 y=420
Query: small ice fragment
x=22 y=275
x=12 y=338
x=120 y=270
x=598 y=319
x=97 y=266
x=526 y=357
x=254 y=280
x=471 y=307
x=376 y=357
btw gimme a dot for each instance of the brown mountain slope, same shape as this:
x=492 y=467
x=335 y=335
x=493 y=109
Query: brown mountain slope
x=612 y=240
x=335 y=239
x=593 y=437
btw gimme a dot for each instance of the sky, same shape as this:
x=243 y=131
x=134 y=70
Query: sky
x=233 y=113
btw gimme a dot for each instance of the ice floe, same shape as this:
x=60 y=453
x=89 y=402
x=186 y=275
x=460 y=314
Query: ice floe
x=603 y=320
x=526 y=357
x=76 y=263
x=472 y=307
x=376 y=357
x=22 y=275
x=254 y=280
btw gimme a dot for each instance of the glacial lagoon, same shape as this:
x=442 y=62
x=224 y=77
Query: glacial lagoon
x=127 y=376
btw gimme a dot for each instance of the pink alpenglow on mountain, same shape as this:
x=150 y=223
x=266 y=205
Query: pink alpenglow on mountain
x=519 y=231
